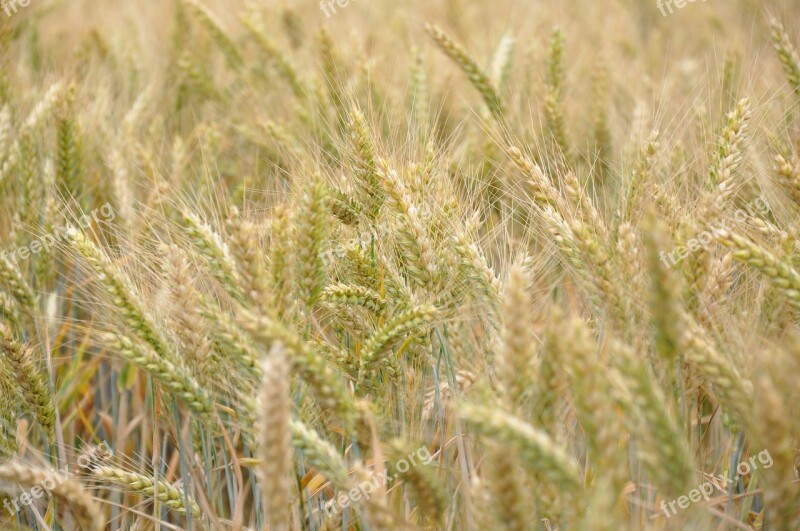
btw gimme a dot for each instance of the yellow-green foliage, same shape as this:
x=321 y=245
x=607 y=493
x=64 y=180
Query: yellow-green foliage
x=449 y=264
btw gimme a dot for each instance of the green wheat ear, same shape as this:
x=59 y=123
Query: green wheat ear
x=173 y=377
x=211 y=246
x=311 y=238
x=32 y=191
x=31 y=379
x=787 y=54
x=69 y=154
x=782 y=274
x=536 y=448
x=364 y=151
x=350 y=295
x=376 y=351
x=6 y=36
x=665 y=454
x=17 y=286
x=554 y=106
x=320 y=454
x=332 y=70
x=253 y=24
x=603 y=140
x=517 y=348
x=665 y=305
x=118 y=288
x=172 y=497
x=479 y=79
x=9 y=311
x=313 y=368
x=214 y=27
x=420 y=92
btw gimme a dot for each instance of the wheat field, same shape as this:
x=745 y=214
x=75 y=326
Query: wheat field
x=374 y=264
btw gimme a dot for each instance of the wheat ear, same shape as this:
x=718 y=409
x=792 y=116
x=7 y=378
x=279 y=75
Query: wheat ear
x=787 y=54
x=213 y=248
x=779 y=272
x=244 y=246
x=311 y=236
x=83 y=506
x=413 y=237
x=320 y=454
x=31 y=380
x=8 y=411
x=536 y=447
x=517 y=348
x=313 y=367
x=16 y=284
x=353 y=295
x=171 y=496
x=366 y=163
x=553 y=100
x=600 y=422
x=218 y=34
x=190 y=325
x=274 y=436
x=664 y=450
x=376 y=348
x=9 y=311
x=470 y=67
x=119 y=290
x=788 y=171
x=734 y=390
x=174 y=378
x=282 y=64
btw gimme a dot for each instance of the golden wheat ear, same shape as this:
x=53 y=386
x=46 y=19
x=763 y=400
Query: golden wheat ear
x=517 y=349
x=274 y=439
x=31 y=379
x=788 y=171
x=479 y=79
x=787 y=53
x=86 y=509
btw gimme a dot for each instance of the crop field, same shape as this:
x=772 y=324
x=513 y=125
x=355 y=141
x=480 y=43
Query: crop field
x=417 y=265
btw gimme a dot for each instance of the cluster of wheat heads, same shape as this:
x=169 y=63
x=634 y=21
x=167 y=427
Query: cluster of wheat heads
x=419 y=265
